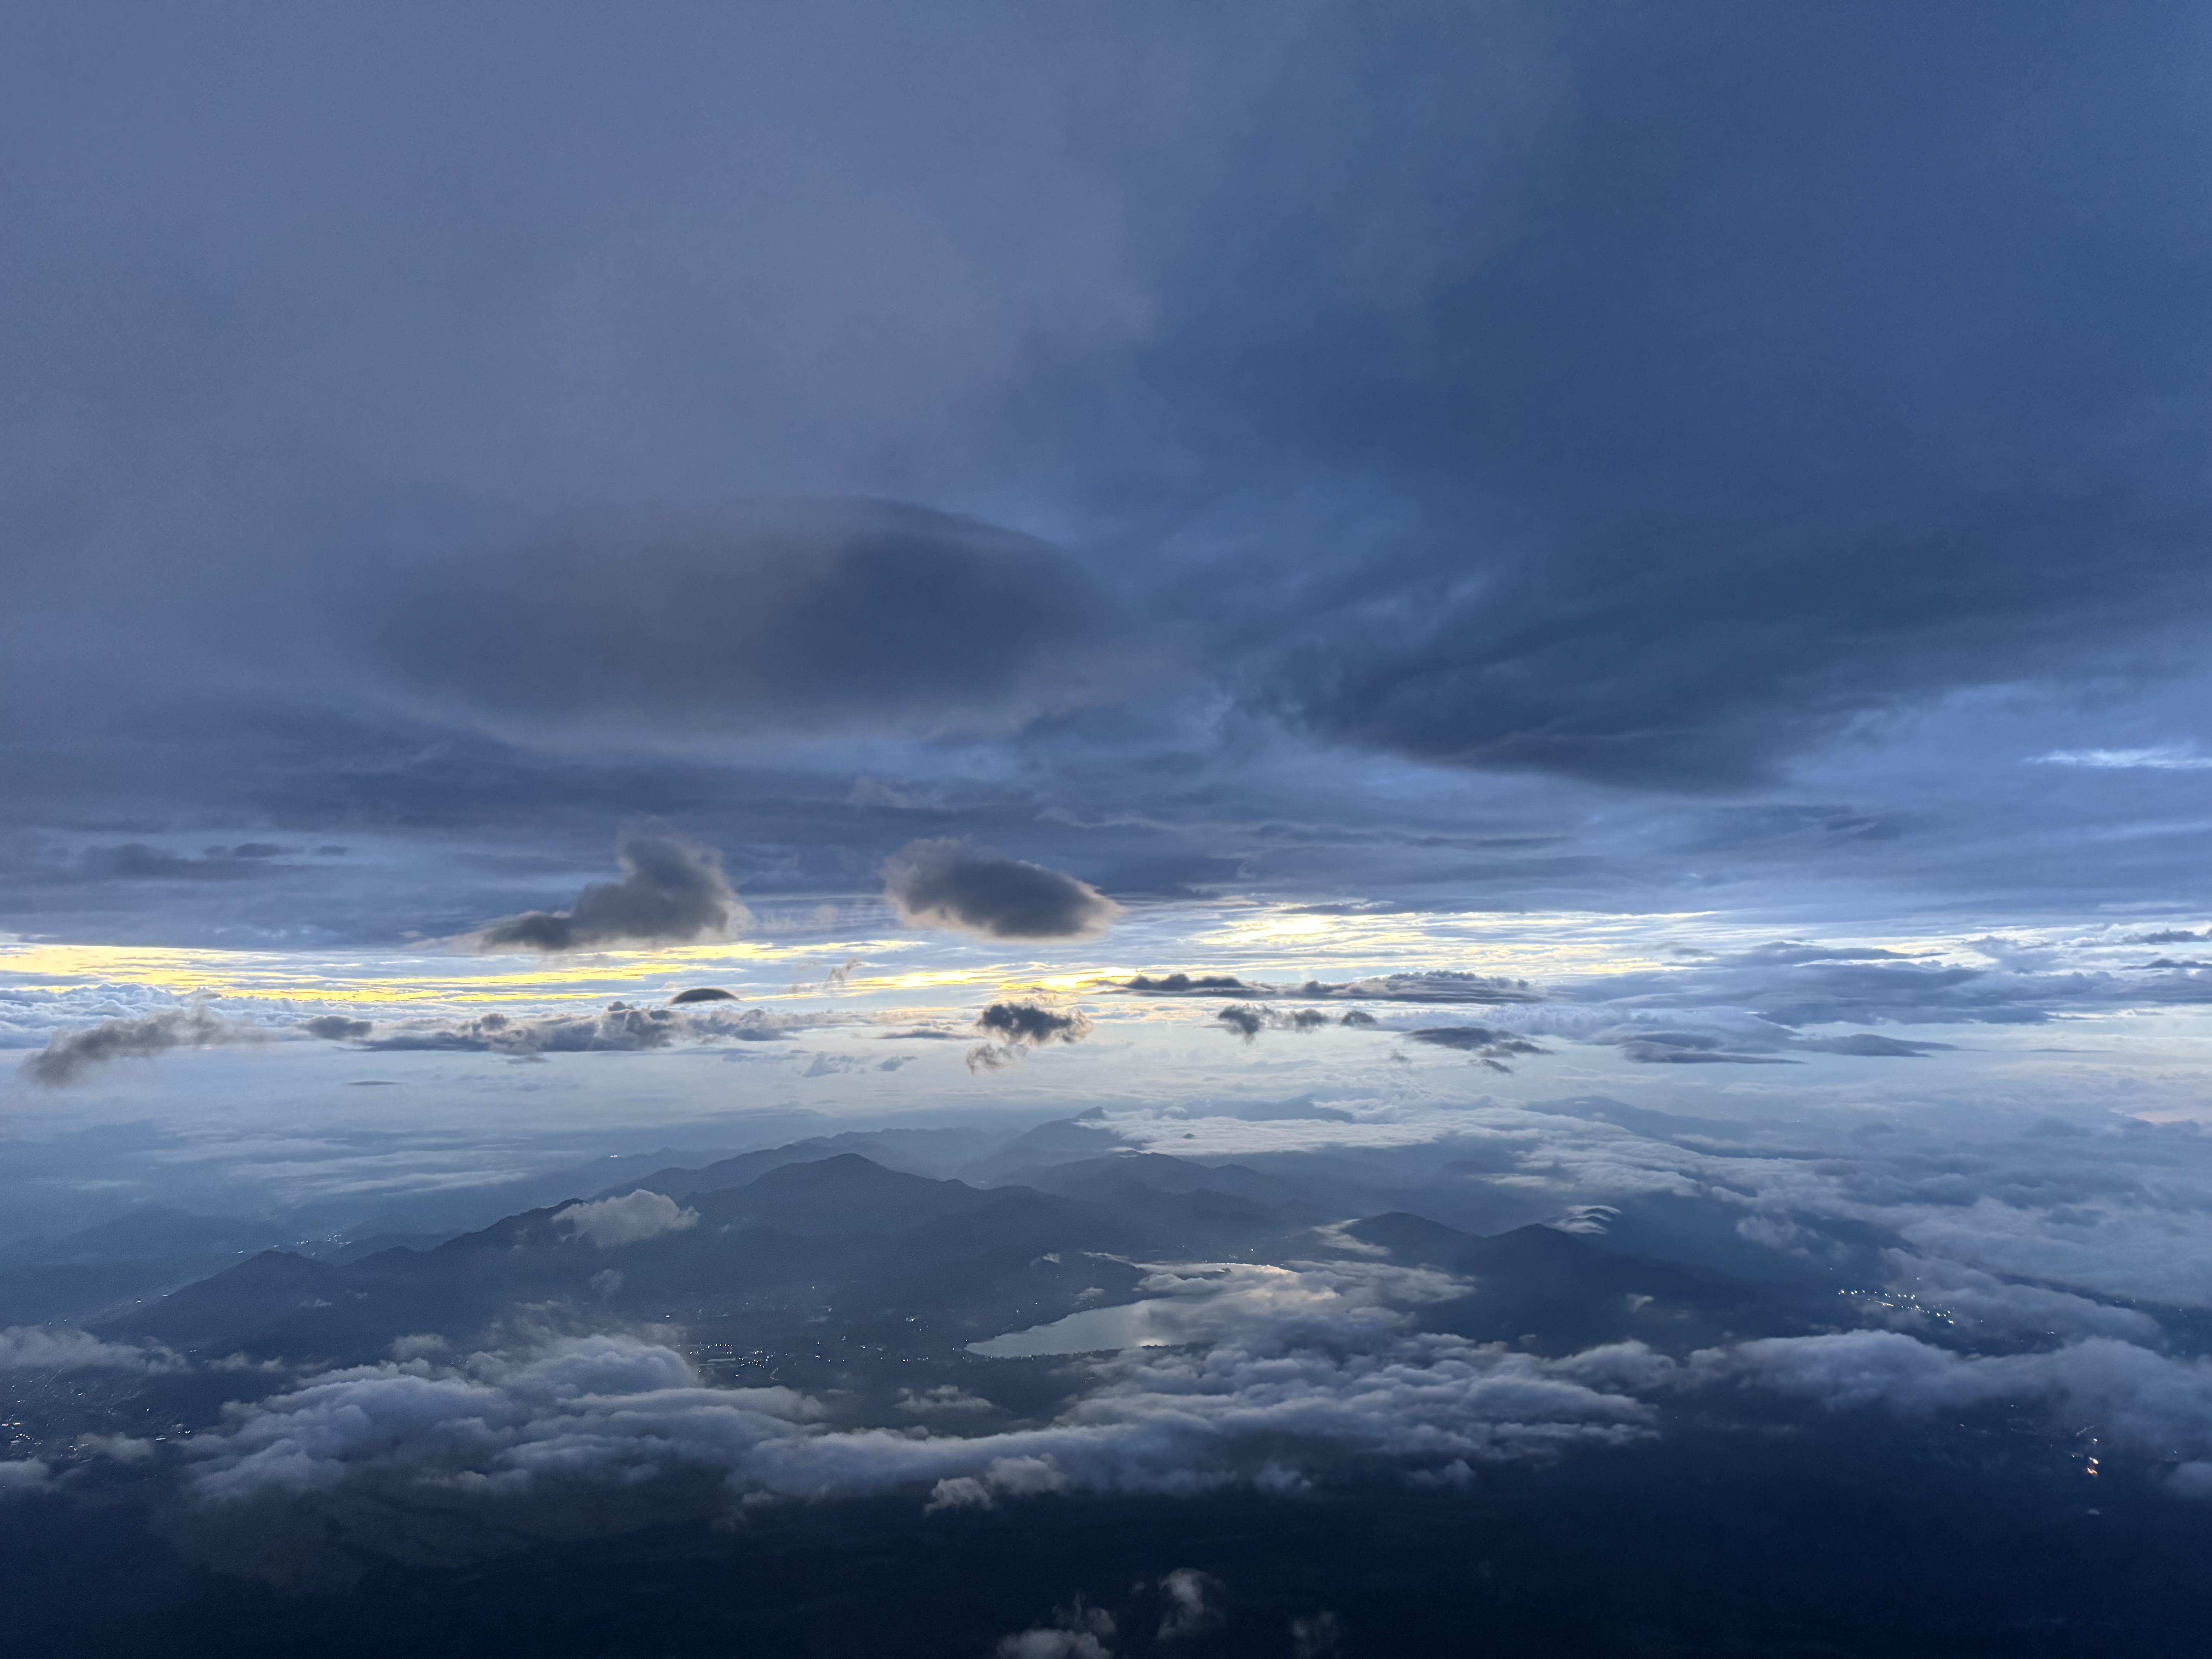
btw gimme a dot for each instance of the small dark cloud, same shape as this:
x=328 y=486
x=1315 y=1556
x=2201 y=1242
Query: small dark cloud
x=1493 y=1048
x=620 y=1028
x=1022 y=1025
x=1248 y=1019
x=1033 y=1024
x=1442 y=985
x=1649 y=1047
x=673 y=892
x=973 y=890
x=136 y=861
x=250 y=849
x=337 y=1028
x=1186 y=985
x=703 y=994
x=2170 y=936
x=1870 y=1046
x=69 y=1054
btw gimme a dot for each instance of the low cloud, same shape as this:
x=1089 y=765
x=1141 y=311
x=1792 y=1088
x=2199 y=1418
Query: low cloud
x=610 y=1223
x=1076 y=1632
x=2144 y=1399
x=1320 y=1358
x=701 y=994
x=22 y=1474
x=672 y=892
x=1193 y=1603
x=69 y=1054
x=337 y=1028
x=968 y=888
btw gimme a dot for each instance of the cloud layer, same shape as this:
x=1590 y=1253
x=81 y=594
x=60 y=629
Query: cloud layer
x=1316 y=1357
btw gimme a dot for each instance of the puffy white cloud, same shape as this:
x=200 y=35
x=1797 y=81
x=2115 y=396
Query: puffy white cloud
x=1076 y=1632
x=597 y=1406
x=1973 y=1298
x=1308 y=1364
x=630 y=1219
x=2155 y=1402
x=1051 y=1642
x=1192 y=1601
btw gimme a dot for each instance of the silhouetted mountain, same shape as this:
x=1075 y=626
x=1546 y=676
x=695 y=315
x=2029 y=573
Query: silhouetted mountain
x=1556 y=1291
x=238 y=1302
x=822 y=1254
x=1065 y=1140
x=915 y=1152
x=134 y=1258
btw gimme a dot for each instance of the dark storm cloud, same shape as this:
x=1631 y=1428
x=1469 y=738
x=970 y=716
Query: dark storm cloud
x=1641 y=394
x=673 y=892
x=778 y=618
x=973 y=890
x=69 y=1054
x=1791 y=392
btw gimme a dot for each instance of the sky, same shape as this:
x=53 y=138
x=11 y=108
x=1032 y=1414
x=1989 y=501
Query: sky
x=1688 y=519
x=1567 y=622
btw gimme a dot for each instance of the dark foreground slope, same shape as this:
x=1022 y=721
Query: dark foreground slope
x=1729 y=1523
x=1870 y=1545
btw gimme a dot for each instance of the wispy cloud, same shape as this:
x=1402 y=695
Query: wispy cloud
x=2168 y=757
